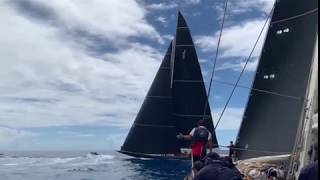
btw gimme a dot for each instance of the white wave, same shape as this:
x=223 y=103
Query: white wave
x=100 y=156
x=87 y=160
x=62 y=160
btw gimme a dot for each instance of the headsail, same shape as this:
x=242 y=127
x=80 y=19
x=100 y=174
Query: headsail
x=154 y=131
x=271 y=119
x=189 y=91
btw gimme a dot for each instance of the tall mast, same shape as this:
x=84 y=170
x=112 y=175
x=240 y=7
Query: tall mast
x=308 y=135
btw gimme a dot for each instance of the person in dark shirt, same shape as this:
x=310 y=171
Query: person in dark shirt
x=231 y=150
x=218 y=169
x=310 y=172
x=201 y=138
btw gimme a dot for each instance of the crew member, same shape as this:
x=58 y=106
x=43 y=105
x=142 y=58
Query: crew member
x=311 y=172
x=218 y=169
x=201 y=139
x=231 y=150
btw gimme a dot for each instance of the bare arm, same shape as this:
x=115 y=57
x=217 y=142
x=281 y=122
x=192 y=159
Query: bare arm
x=186 y=137
x=210 y=145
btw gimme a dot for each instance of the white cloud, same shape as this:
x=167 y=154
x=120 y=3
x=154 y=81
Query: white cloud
x=237 y=42
x=47 y=79
x=76 y=134
x=206 y=43
x=10 y=136
x=192 y=1
x=168 y=37
x=251 y=66
x=163 y=20
x=245 y=6
x=110 y=19
x=162 y=6
x=231 y=120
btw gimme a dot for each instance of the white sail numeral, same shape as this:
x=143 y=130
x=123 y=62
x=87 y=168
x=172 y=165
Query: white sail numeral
x=281 y=31
x=184 y=53
x=270 y=76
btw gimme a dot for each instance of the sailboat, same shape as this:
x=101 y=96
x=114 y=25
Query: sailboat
x=276 y=110
x=174 y=104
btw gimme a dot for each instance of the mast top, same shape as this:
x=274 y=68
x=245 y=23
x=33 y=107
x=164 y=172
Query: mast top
x=181 y=21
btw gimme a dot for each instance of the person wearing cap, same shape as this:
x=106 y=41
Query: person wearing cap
x=201 y=139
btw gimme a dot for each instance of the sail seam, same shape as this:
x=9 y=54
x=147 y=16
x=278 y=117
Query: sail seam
x=191 y=115
x=160 y=97
x=153 y=125
x=297 y=16
x=188 y=81
x=185 y=45
x=182 y=27
x=261 y=90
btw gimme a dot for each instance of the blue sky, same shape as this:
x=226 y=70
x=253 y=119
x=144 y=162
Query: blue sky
x=73 y=73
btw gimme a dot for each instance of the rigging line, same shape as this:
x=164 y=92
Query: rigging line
x=244 y=68
x=216 y=57
x=259 y=151
x=297 y=16
x=260 y=90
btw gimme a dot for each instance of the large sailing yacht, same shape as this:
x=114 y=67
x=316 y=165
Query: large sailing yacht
x=174 y=104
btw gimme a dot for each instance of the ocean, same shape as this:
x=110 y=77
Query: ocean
x=84 y=166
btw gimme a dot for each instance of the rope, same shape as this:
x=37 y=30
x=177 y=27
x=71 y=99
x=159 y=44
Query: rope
x=216 y=57
x=244 y=68
x=297 y=16
x=260 y=90
x=259 y=151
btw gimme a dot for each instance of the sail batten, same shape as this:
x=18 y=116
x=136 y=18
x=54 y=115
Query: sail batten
x=154 y=125
x=271 y=122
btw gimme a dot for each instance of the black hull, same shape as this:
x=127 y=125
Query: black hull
x=155 y=156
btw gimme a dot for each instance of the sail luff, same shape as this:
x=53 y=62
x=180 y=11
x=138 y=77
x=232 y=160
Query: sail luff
x=256 y=71
x=173 y=52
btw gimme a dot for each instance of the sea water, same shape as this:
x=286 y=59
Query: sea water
x=84 y=166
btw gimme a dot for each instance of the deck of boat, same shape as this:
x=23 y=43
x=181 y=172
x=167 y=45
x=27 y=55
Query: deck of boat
x=157 y=156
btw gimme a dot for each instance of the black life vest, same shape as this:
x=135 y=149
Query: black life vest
x=201 y=134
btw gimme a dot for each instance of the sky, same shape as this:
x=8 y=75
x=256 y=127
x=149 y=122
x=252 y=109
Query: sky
x=74 y=73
